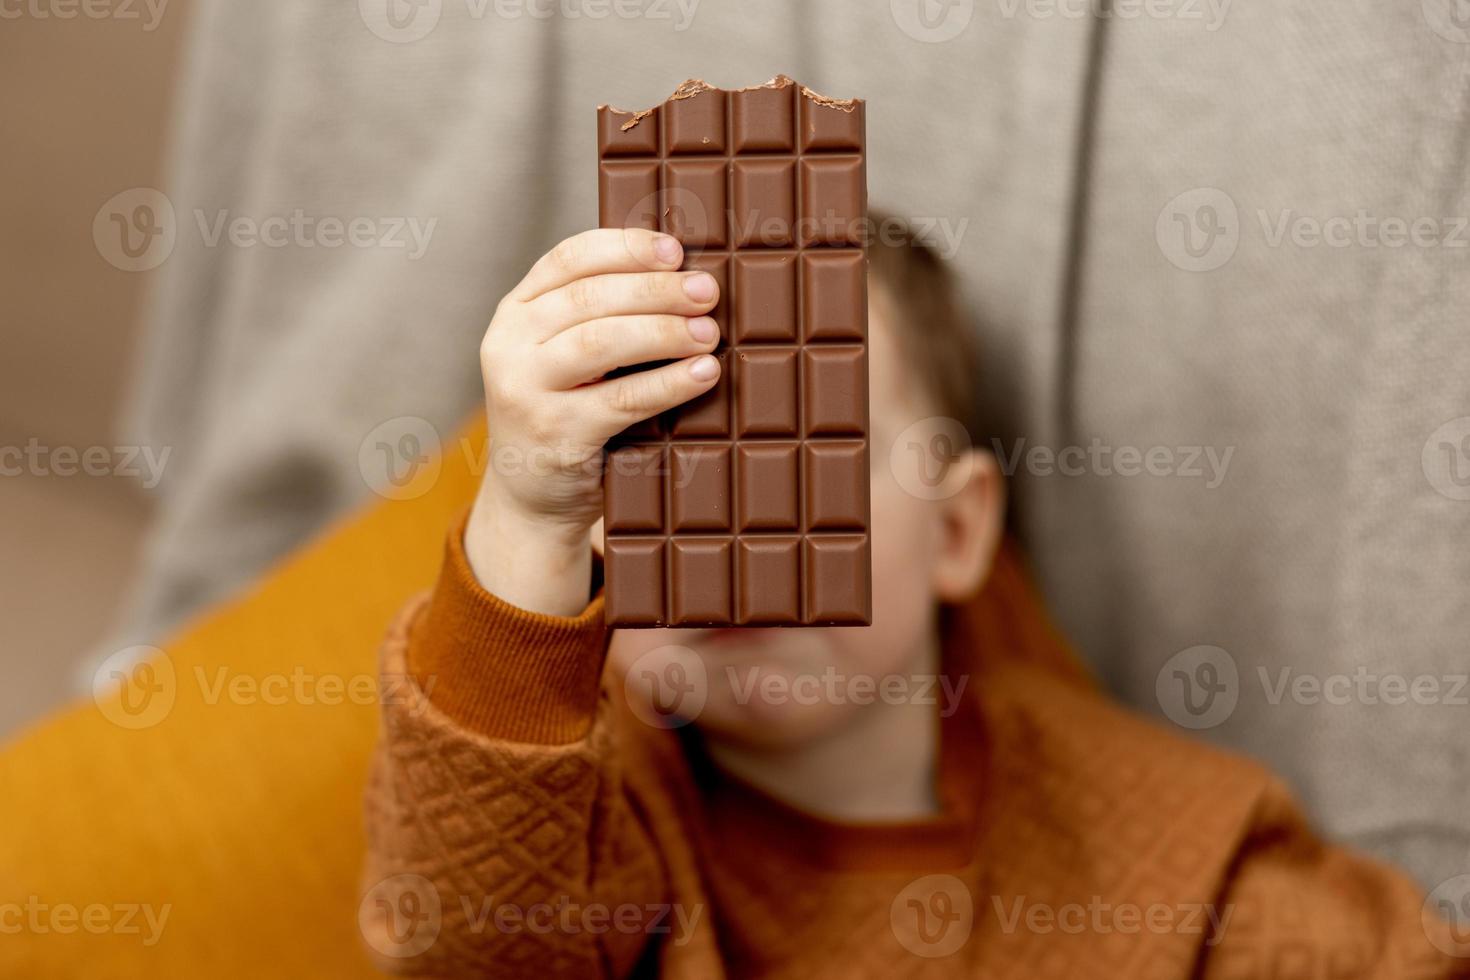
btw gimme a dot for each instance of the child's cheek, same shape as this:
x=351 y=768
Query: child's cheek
x=904 y=537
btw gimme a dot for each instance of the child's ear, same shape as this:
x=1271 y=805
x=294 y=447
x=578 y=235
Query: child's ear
x=972 y=523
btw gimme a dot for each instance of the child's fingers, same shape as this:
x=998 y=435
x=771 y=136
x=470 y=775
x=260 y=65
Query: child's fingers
x=619 y=402
x=623 y=294
x=590 y=350
x=599 y=252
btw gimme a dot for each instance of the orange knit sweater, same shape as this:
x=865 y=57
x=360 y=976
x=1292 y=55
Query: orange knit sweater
x=523 y=823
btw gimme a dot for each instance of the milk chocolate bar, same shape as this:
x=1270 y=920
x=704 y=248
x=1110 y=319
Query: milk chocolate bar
x=749 y=505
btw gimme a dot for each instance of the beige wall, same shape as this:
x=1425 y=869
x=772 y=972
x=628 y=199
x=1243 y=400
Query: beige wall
x=82 y=117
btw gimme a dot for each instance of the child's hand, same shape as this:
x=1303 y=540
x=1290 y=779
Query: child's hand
x=599 y=301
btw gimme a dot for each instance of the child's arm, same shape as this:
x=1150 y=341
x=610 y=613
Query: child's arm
x=497 y=797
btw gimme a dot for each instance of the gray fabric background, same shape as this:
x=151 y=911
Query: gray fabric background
x=1055 y=142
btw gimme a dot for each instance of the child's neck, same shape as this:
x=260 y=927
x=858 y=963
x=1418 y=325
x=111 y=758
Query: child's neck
x=878 y=766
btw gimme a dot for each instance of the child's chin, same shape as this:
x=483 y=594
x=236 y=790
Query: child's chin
x=751 y=736
x=759 y=724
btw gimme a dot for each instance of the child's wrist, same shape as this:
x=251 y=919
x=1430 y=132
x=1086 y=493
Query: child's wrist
x=536 y=564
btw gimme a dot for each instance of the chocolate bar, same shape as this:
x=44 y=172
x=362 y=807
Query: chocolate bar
x=749 y=505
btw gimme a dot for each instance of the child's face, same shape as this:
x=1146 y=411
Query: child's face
x=780 y=686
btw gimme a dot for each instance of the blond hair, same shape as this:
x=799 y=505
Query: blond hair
x=935 y=337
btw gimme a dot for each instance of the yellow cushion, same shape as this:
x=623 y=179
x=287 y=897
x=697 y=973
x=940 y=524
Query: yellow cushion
x=229 y=799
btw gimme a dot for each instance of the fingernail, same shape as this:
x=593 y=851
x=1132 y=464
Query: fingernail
x=703 y=329
x=704 y=369
x=700 y=287
x=667 y=249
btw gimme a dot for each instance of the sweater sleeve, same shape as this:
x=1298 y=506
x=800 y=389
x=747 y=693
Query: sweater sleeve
x=501 y=841
x=1296 y=907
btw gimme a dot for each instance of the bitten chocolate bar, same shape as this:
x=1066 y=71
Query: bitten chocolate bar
x=749 y=506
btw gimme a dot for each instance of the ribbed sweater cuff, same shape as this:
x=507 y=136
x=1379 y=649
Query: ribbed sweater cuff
x=500 y=670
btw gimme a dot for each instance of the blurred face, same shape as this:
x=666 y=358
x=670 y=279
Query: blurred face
x=775 y=687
